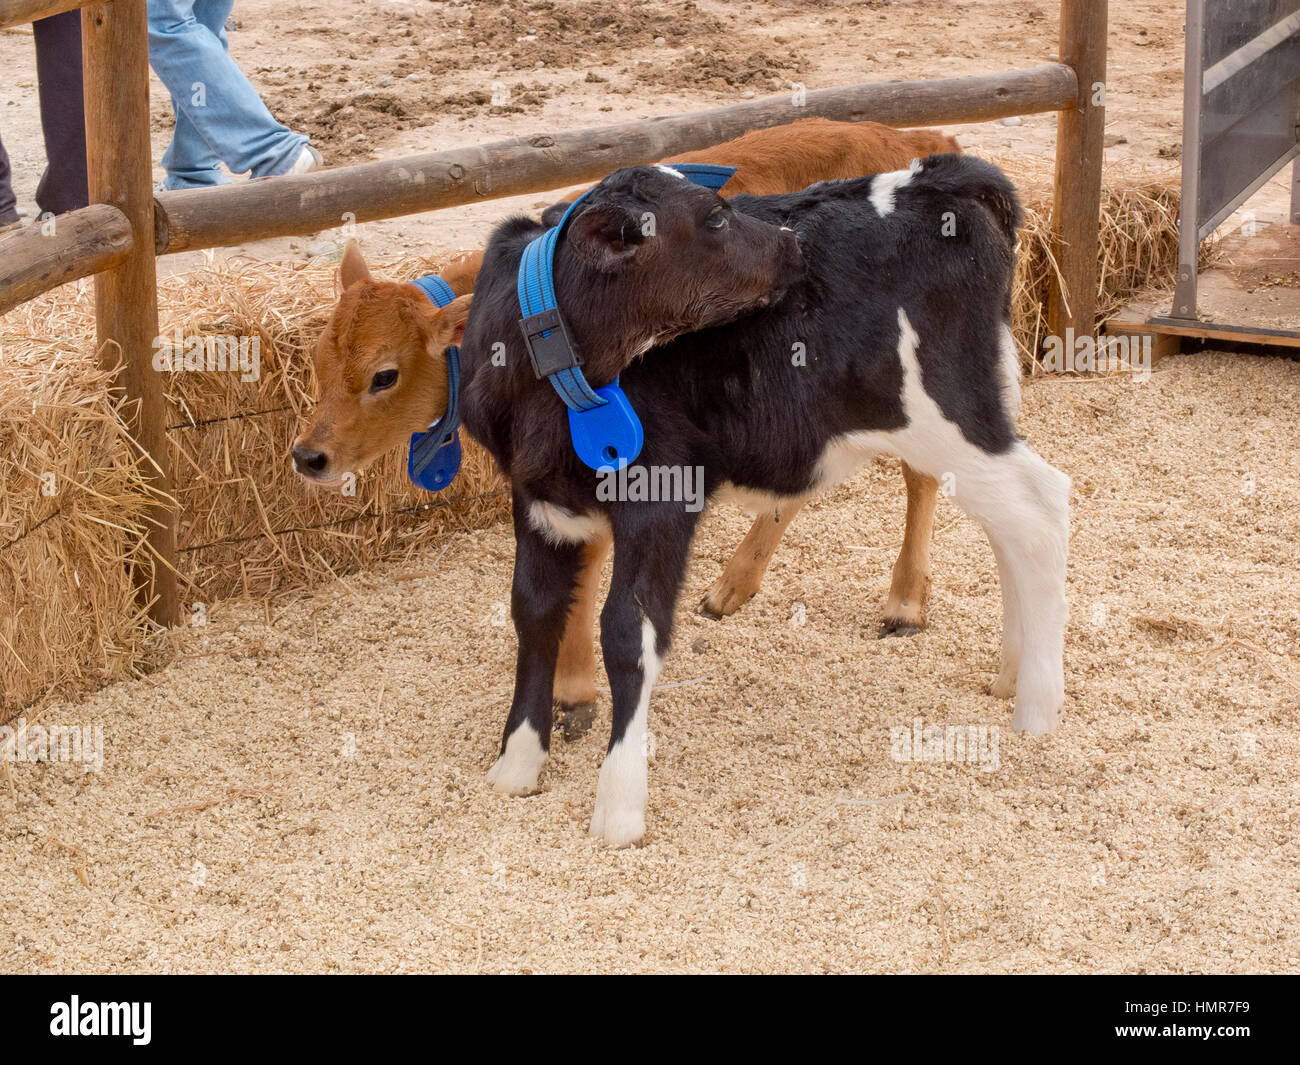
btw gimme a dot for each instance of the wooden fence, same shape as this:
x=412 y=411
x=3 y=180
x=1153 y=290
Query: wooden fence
x=117 y=238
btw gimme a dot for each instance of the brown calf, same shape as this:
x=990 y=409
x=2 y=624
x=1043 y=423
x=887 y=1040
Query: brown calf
x=792 y=157
x=382 y=330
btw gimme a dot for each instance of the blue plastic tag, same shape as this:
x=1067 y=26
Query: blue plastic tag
x=610 y=436
x=434 y=459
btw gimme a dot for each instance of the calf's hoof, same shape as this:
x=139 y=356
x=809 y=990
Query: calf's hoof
x=520 y=764
x=902 y=616
x=506 y=781
x=1004 y=687
x=621 y=796
x=724 y=599
x=618 y=827
x=899 y=627
x=1037 y=716
x=574 y=720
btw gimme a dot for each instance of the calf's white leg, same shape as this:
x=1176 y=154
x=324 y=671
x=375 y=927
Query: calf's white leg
x=1022 y=504
x=624 y=787
x=1025 y=513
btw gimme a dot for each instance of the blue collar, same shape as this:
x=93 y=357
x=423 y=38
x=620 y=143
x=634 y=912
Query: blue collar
x=605 y=430
x=433 y=286
x=434 y=458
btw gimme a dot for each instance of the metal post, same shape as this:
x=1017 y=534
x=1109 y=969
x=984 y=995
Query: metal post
x=1189 y=241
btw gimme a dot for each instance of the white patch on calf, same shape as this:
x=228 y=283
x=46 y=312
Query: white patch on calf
x=562 y=526
x=670 y=171
x=754 y=502
x=884 y=186
x=520 y=764
x=624 y=785
x=844 y=455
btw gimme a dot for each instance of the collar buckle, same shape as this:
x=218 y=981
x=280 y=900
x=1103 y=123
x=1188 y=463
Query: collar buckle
x=550 y=348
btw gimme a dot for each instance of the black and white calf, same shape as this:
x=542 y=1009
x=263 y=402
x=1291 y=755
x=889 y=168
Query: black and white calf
x=778 y=374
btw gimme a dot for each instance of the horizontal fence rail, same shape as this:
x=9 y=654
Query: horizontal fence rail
x=16 y=12
x=308 y=203
x=91 y=240
x=43 y=256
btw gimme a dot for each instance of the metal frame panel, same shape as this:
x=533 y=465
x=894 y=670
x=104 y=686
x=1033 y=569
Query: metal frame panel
x=1241 y=120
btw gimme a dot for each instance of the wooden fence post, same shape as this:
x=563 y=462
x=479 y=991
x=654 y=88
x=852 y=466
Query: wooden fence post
x=115 y=46
x=1080 y=136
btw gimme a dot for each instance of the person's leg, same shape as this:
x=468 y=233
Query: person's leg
x=8 y=202
x=189 y=56
x=212 y=15
x=189 y=160
x=63 y=186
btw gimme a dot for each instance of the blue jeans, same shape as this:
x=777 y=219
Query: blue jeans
x=220 y=118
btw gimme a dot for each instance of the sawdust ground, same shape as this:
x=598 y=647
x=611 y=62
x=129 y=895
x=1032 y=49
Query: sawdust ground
x=309 y=795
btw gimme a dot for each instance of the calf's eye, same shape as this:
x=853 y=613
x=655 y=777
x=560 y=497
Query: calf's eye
x=383 y=379
x=717 y=220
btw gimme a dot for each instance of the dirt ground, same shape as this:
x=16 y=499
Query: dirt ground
x=304 y=789
x=309 y=794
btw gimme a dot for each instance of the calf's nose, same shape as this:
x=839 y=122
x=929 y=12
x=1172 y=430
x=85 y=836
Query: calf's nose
x=308 y=461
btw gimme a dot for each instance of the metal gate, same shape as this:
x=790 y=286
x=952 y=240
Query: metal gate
x=1241 y=117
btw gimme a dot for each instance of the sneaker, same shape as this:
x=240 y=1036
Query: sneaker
x=309 y=159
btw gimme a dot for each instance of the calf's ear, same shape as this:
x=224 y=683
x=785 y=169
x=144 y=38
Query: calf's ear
x=454 y=317
x=552 y=215
x=353 y=267
x=605 y=236
x=442 y=327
